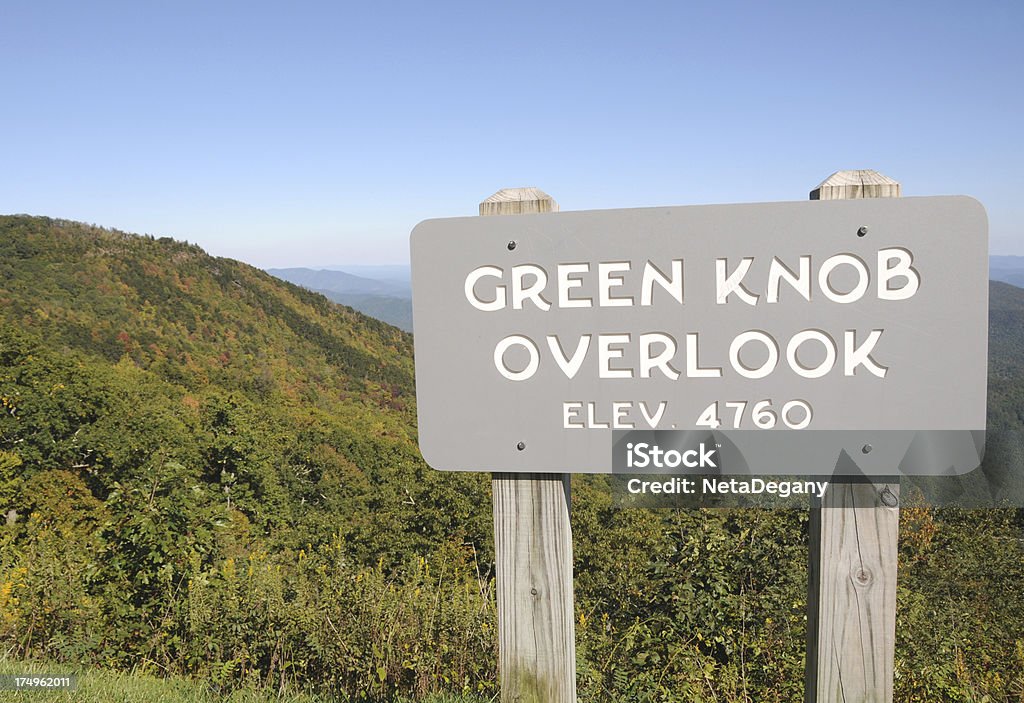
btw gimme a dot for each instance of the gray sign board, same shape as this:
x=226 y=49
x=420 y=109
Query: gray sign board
x=539 y=336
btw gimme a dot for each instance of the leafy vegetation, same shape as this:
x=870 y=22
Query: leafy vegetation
x=1006 y=357
x=109 y=686
x=210 y=473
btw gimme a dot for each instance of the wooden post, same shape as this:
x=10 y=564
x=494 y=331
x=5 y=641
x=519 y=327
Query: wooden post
x=533 y=550
x=851 y=603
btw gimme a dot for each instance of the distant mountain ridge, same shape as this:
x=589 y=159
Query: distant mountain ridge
x=1008 y=269
x=387 y=295
x=385 y=292
x=393 y=310
x=396 y=274
x=338 y=281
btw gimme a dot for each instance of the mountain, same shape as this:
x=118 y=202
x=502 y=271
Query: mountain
x=395 y=274
x=202 y=452
x=262 y=390
x=208 y=471
x=387 y=295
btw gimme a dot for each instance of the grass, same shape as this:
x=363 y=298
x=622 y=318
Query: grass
x=105 y=686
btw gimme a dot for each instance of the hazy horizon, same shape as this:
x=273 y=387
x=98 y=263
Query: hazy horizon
x=285 y=136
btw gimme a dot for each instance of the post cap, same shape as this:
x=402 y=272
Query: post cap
x=516 y=201
x=858 y=183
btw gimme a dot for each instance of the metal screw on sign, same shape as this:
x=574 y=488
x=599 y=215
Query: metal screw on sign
x=889 y=498
x=512 y=245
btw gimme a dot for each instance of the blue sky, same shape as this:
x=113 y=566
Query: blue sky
x=315 y=133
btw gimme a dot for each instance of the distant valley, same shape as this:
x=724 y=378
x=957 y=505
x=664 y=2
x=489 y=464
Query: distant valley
x=383 y=292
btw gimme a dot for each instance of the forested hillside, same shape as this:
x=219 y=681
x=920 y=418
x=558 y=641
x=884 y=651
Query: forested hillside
x=169 y=419
x=207 y=471
x=1006 y=356
x=156 y=354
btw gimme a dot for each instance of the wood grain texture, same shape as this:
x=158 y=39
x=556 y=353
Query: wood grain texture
x=862 y=183
x=536 y=626
x=533 y=550
x=851 y=602
x=518 y=201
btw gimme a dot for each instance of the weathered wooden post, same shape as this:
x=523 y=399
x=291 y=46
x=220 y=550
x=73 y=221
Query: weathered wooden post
x=851 y=604
x=533 y=550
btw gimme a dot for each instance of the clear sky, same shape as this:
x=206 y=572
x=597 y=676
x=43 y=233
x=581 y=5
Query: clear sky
x=316 y=133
